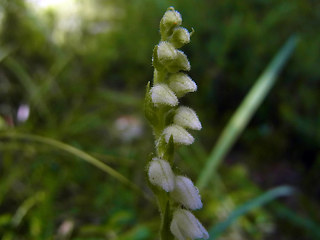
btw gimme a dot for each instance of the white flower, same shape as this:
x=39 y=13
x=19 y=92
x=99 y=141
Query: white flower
x=160 y=174
x=185 y=226
x=166 y=52
x=180 y=37
x=187 y=118
x=180 y=63
x=162 y=94
x=179 y=134
x=181 y=84
x=186 y=193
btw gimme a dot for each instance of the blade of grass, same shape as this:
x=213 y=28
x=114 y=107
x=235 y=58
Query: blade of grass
x=4 y=53
x=28 y=83
x=248 y=206
x=76 y=152
x=245 y=111
x=25 y=208
x=120 y=97
x=51 y=80
x=7 y=181
x=311 y=227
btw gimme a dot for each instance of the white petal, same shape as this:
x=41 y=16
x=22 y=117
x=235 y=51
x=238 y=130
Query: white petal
x=181 y=84
x=186 y=193
x=160 y=174
x=180 y=37
x=176 y=231
x=180 y=63
x=166 y=52
x=162 y=94
x=179 y=134
x=188 y=225
x=186 y=117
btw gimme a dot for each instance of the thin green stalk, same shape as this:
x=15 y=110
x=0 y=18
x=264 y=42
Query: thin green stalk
x=76 y=152
x=245 y=111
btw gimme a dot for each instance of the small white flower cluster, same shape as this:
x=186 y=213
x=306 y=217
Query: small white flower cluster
x=184 y=224
x=170 y=83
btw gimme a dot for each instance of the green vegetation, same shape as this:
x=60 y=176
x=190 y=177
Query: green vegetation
x=74 y=142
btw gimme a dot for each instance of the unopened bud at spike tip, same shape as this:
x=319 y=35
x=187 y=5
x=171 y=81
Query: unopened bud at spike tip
x=187 y=118
x=186 y=193
x=170 y=19
x=185 y=225
x=160 y=174
x=179 y=134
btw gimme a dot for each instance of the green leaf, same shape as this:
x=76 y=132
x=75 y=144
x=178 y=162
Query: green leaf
x=169 y=117
x=161 y=146
x=245 y=111
x=29 y=84
x=149 y=109
x=311 y=227
x=165 y=233
x=155 y=62
x=4 y=53
x=26 y=207
x=248 y=206
x=169 y=152
x=5 y=219
x=119 y=97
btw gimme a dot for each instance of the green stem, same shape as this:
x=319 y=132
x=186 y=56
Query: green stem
x=159 y=76
x=165 y=212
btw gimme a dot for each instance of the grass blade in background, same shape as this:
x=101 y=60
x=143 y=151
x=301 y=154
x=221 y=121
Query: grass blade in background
x=296 y=220
x=26 y=207
x=52 y=78
x=76 y=152
x=120 y=98
x=28 y=83
x=245 y=111
x=248 y=206
x=4 y=53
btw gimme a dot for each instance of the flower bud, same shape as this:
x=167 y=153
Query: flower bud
x=185 y=225
x=170 y=19
x=186 y=193
x=160 y=174
x=179 y=134
x=180 y=63
x=181 y=84
x=166 y=52
x=162 y=94
x=180 y=37
x=187 y=118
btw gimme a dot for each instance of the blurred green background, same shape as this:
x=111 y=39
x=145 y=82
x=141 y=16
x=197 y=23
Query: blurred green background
x=76 y=71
